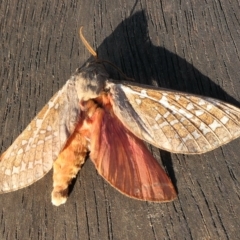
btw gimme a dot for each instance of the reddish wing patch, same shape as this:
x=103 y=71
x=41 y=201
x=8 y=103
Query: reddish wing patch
x=125 y=162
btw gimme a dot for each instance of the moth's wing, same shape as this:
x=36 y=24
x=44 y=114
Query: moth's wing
x=32 y=154
x=174 y=121
x=125 y=162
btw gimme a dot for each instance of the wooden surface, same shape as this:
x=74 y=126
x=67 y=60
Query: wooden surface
x=192 y=46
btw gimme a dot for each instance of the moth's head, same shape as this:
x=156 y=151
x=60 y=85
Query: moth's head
x=90 y=80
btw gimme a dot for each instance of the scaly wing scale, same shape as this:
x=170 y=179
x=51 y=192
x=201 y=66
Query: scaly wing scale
x=32 y=154
x=125 y=162
x=174 y=121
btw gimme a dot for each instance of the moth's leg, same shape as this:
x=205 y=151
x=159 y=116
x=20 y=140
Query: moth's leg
x=67 y=165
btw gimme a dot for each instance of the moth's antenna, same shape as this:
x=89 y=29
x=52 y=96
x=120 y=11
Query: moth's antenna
x=90 y=49
x=86 y=44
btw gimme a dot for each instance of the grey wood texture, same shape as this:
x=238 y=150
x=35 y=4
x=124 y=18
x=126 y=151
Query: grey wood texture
x=191 y=46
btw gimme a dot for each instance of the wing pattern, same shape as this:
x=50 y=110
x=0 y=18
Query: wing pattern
x=174 y=121
x=32 y=154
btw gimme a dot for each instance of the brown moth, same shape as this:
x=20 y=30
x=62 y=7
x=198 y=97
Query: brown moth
x=93 y=114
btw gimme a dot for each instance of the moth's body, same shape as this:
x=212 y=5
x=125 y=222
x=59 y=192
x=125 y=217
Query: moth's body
x=93 y=93
x=108 y=120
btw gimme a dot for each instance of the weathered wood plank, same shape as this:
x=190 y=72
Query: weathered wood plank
x=192 y=46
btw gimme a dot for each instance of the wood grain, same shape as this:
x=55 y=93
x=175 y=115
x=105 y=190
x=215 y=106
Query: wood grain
x=192 y=46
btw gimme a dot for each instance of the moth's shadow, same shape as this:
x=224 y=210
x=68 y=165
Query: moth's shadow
x=130 y=48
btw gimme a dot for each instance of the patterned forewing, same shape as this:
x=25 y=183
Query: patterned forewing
x=32 y=154
x=175 y=121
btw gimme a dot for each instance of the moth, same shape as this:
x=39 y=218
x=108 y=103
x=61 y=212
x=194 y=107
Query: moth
x=108 y=120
